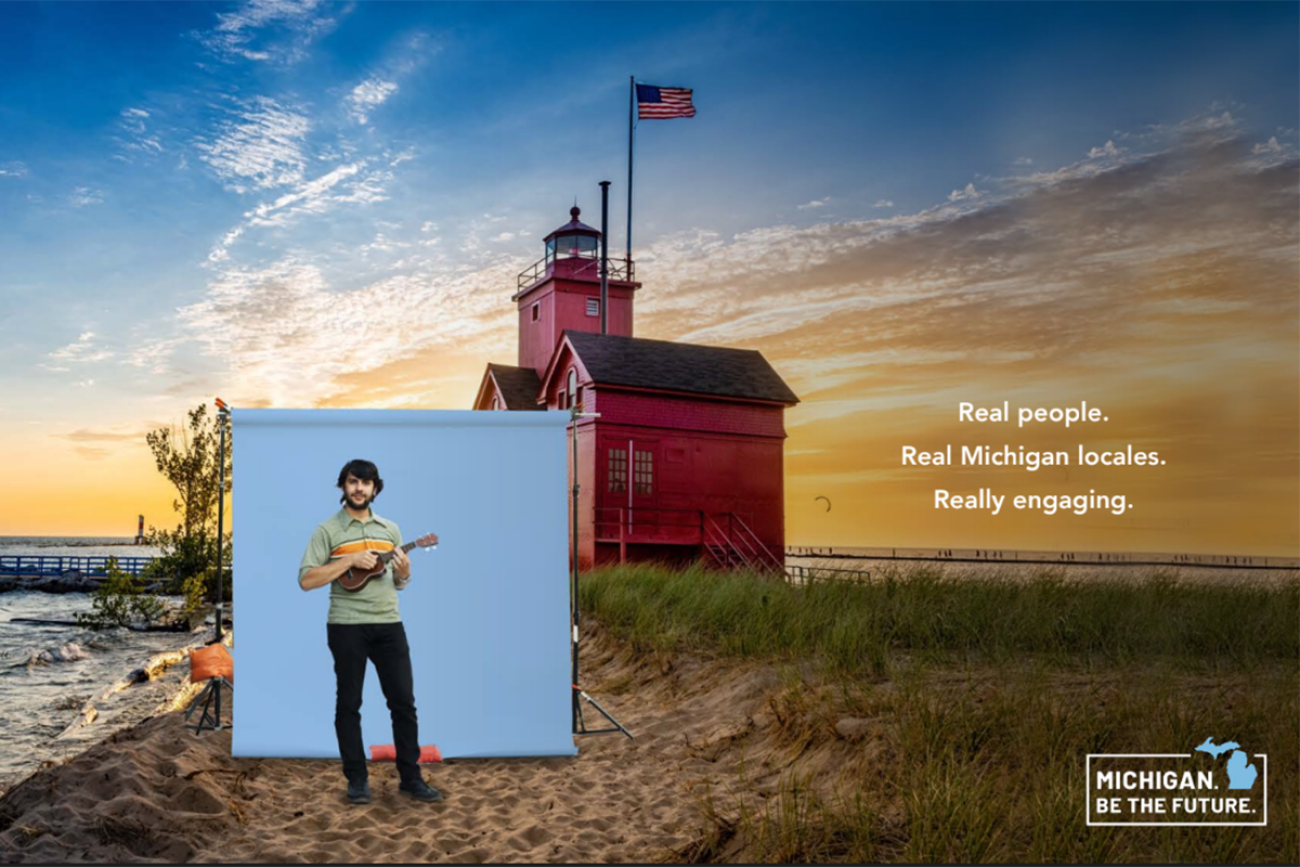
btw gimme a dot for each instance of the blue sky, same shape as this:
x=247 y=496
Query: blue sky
x=270 y=200
x=506 y=108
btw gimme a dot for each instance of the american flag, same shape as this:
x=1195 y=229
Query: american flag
x=655 y=103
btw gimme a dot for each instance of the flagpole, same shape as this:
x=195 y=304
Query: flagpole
x=631 y=107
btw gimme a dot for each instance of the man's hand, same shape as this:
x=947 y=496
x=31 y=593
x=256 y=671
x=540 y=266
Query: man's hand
x=365 y=560
x=401 y=564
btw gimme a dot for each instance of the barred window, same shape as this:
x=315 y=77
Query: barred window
x=643 y=469
x=593 y=306
x=617 y=471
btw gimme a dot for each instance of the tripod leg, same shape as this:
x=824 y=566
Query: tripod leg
x=605 y=714
x=198 y=699
x=208 y=701
x=208 y=719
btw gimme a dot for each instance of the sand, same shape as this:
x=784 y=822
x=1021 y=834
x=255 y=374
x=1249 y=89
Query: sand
x=157 y=792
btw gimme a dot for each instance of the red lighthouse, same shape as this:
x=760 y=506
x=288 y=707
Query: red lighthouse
x=686 y=459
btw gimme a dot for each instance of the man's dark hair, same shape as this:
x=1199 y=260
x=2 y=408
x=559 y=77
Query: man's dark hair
x=362 y=469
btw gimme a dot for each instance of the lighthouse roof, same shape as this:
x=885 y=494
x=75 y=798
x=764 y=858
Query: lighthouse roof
x=518 y=385
x=663 y=364
x=573 y=227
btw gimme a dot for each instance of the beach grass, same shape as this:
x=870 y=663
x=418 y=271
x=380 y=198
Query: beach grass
x=978 y=701
x=991 y=768
x=854 y=628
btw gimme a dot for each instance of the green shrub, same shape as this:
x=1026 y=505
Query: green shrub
x=120 y=600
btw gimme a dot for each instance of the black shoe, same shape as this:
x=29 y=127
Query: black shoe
x=420 y=790
x=359 y=792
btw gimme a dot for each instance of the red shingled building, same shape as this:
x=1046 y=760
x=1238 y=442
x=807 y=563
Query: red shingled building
x=686 y=458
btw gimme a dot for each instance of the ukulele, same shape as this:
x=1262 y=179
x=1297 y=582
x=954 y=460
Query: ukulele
x=356 y=577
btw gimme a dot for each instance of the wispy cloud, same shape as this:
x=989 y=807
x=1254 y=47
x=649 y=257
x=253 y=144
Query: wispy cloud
x=153 y=354
x=134 y=137
x=13 y=169
x=967 y=192
x=883 y=203
x=815 y=203
x=383 y=244
x=347 y=184
x=85 y=435
x=1269 y=147
x=1106 y=150
x=95 y=445
x=288 y=336
x=351 y=183
x=368 y=95
x=384 y=78
x=83 y=350
x=82 y=197
x=260 y=146
x=276 y=31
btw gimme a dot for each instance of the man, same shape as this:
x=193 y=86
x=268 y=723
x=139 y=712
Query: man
x=365 y=625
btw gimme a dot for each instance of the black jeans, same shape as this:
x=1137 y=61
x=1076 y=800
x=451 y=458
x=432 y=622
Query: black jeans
x=385 y=645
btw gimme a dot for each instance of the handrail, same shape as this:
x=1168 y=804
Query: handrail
x=48 y=564
x=810 y=573
x=619 y=269
x=619 y=517
x=708 y=520
x=737 y=539
x=766 y=554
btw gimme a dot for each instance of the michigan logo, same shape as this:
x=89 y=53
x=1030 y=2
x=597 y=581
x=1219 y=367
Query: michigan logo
x=1196 y=788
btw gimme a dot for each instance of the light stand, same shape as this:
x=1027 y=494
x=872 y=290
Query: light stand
x=223 y=420
x=579 y=724
x=210 y=697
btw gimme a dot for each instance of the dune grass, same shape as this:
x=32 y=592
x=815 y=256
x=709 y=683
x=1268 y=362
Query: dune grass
x=854 y=628
x=992 y=769
x=982 y=699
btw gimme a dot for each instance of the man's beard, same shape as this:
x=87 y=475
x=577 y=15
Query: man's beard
x=365 y=505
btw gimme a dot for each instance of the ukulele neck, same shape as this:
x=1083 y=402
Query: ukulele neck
x=388 y=555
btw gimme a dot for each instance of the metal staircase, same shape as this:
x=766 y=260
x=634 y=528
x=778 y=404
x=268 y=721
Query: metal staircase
x=729 y=543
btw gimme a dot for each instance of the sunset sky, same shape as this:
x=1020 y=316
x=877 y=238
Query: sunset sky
x=902 y=206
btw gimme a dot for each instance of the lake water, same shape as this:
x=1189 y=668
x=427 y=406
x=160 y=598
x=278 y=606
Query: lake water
x=48 y=673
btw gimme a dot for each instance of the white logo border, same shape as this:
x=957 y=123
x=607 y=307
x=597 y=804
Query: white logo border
x=1088 y=788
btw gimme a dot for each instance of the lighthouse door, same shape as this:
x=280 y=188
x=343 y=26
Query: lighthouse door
x=631 y=467
x=643 y=459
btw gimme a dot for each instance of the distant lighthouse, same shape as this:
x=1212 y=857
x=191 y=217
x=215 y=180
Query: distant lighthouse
x=139 y=532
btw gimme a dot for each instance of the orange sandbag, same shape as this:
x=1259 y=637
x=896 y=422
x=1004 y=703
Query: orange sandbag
x=211 y=661
x=388 y=753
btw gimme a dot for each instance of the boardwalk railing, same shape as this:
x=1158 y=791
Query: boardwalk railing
x=807 y=574
x=39 y=564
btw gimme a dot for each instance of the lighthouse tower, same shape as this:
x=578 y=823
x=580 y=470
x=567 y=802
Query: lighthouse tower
x=562 y=291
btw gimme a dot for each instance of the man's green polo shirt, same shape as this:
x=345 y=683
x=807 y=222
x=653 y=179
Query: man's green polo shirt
x=340 y=535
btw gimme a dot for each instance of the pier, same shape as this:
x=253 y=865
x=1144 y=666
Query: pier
x=1047 y=558
x=38 y=565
